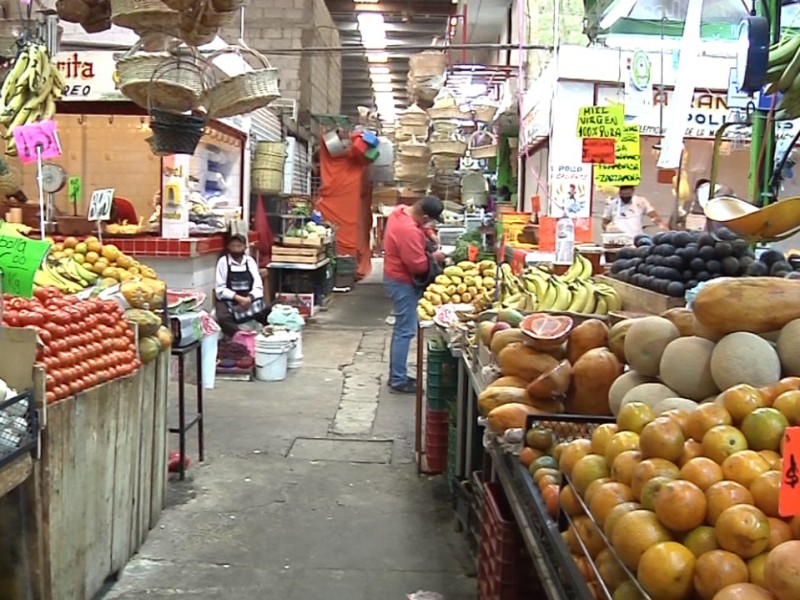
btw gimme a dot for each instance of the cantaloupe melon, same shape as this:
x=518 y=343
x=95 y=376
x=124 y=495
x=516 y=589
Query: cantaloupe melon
x=675 y=404
x=743 y=357
x=789 y=348
x=649 y=393
x=645 y=343
x=686 y=367
x=621 y=386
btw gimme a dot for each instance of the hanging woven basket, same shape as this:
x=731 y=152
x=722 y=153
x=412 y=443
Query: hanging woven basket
x=478 y=148
x=266 y=180
x=454 y=146
x=144 y=15
x=180 y=89
x=248 y=91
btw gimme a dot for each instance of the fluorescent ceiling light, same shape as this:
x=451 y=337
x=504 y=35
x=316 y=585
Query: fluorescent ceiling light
x=382 y=87
x=373 y=30
x=619 y=9
x=379 y=70
x=370 y=21
x=380 y=77
x=377 y=57
x=373 y=42
x=364 y=2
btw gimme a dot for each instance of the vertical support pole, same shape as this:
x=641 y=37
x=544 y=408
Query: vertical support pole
x=763 y=135
x=464 y=36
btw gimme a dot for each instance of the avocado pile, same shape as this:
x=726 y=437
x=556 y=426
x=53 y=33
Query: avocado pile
x=672 y=262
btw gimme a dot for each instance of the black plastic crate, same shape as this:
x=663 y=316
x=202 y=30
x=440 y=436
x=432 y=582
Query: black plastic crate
x=19 y=427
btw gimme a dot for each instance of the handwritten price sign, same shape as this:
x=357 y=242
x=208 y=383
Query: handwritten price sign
x=627 y=167
x=19 y=260
x=789 y=493
x=41 y=136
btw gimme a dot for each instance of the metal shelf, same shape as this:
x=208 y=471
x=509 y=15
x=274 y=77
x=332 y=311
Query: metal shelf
x=558 y=572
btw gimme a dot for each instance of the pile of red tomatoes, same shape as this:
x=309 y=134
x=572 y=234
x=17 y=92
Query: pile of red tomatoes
x=83 y=342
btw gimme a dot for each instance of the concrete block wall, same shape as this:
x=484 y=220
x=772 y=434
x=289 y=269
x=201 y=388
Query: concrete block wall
x=314 y=80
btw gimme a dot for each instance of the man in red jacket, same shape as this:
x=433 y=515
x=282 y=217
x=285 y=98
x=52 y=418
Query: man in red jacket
x=405 y=258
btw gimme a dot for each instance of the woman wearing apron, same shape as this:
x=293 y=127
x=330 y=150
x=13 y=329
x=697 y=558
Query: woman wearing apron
x=625 y=214
x=239 y=290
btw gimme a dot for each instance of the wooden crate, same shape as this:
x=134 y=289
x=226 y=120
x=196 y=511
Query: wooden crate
x=101 y=480
x=640 y=300
x=296 y=242
x=296 y=255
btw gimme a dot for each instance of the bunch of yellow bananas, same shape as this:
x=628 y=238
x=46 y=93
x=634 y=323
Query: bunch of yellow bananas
x=29 y=92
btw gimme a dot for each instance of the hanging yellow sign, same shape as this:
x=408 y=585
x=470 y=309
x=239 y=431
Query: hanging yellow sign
x=627 y=168
x=601 y=121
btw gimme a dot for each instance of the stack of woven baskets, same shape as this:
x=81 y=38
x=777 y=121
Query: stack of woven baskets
x=267 y=168
x=412 y=123
x=426 y=74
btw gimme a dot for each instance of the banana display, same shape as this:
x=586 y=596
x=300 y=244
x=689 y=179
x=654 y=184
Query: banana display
x=66 y=274
x=465 y=283
x=29 y=92
x=574 y=291
x=783 y=75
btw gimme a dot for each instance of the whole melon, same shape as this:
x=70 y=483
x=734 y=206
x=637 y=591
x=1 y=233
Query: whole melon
x=743 y=357
x=616 y=338
x=592 y=333
x=621 y=386
x=789 y=348
x=649 y=393
x=645 y=343
x=501 y=339
x=686 y=367
x=519 y=360
x=148 y=322
x=592 y=377
x=149 y=348
x=675 y=404
x=484 y=330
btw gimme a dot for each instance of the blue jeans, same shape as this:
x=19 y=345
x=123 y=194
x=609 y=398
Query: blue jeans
x=404 y=298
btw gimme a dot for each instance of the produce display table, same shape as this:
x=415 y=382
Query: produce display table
x=101 y=482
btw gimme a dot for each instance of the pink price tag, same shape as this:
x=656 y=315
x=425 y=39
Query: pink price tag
x=40 y=135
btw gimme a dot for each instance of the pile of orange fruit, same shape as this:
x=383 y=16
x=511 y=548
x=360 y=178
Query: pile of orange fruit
x=104 y=259
x=686 y=502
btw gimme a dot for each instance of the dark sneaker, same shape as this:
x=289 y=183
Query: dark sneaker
x=409 y=387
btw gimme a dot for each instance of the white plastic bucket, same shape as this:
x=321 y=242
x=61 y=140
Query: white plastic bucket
x=296 y=353
x=272 y=362
x=208 y=347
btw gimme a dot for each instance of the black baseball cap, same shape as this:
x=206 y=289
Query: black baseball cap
x=432 y=207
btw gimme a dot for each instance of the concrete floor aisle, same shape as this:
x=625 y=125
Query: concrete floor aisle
x=309 y=489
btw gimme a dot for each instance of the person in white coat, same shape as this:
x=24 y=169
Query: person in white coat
x=625 y=213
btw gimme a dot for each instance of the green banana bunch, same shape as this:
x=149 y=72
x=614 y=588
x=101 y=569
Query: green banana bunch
x=29 y=92
x=783 y=75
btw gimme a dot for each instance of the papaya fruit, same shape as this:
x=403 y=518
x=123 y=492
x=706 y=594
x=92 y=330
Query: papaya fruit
x=506 y=381
x=501 y=339
x=147 y=321
x=592 y=377
x=511 y=416
x=751 y=304
x=592 y=333
x=519 y=360
x=492 y=397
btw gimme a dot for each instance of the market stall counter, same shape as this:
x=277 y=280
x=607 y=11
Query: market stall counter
x=99 y=486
